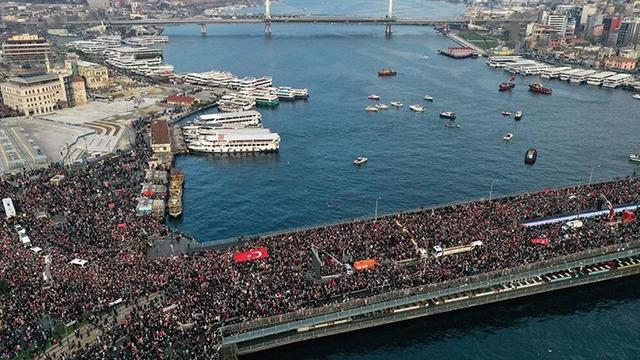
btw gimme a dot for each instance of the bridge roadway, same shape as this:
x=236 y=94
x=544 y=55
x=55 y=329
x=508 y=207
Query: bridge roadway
x=298 y=19
x=584 y=268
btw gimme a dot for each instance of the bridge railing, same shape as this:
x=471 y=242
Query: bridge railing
x=249 y=330
x=221 y=243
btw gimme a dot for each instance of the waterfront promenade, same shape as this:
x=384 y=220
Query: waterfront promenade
x=251 y=295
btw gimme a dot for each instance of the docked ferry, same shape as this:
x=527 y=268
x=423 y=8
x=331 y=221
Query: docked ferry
x=285 y=94
x=231 y=141
x=265 y=97
x=247 y=118
x=241 y=101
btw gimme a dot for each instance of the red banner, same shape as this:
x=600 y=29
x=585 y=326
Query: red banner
x=628 y=216
x=253 y=254
x=540 y=241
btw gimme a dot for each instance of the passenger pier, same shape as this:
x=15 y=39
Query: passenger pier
x=584 y=268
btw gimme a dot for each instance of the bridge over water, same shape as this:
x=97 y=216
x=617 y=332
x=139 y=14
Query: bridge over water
x=268 y=19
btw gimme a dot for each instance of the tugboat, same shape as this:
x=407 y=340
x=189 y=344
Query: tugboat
x=360 y=160
x=507 y=85
x=518 y=115
x=374 y=97
x=531 y=156
x=448 y=115
x=387 y=72
x=538 y=88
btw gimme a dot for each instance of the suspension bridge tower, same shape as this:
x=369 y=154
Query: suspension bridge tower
x=387 y=30
x=267 y=17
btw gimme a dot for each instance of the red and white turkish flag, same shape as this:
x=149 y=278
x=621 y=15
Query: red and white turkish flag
x=253 y=254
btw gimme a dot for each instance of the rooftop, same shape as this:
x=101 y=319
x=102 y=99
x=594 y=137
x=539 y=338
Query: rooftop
x=159 y=132
x=33 y=78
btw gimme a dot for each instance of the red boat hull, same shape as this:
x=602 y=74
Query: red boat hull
x=539 y=89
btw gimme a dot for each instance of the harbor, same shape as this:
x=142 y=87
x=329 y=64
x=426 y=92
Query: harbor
x=329 y=180
x=606 y=79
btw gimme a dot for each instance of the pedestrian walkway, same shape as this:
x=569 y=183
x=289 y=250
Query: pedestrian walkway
x=87 y=333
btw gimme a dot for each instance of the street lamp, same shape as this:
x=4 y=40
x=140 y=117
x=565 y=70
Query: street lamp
x=375 y=218
x=491 y=190
x=591 y=175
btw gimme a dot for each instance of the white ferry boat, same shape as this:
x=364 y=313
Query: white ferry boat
x=581 y=77
x=285 y=93
x=193 y=132
x=598 y=78
x=566 y=75
x=247 y=118
x=236 y=102
x=231 y=141
x=553 y=72
x=265 y=96
x=146 y=40
x=250 y=83
x=502 y=61
x=616 y=80
x=301 y=93
x=210 y=78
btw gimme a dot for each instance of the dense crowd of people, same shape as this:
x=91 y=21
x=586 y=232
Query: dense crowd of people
x=91 y=215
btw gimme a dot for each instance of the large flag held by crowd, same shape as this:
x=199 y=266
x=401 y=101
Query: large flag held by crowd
x=250 y=255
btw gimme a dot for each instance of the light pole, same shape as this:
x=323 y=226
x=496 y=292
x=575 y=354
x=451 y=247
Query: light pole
x=591 y=175
x=375 y=217
x=491 y=190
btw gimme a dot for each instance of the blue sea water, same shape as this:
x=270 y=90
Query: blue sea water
x=414 y=161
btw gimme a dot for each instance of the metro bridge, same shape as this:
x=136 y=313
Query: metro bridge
x=388 y=20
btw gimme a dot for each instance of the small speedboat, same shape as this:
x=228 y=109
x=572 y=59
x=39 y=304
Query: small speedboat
x=428 y=97
x=506 y=113
x=508 y=136
x=374 y=97
x=371 y=109
x=530 y=156
x=360 y=160
x=452 y=126
x=518 y=115
x=397 y=104
x=417 y=108
x=636 y=96
x=634 y=157
x=381 y=107
x=448 y=115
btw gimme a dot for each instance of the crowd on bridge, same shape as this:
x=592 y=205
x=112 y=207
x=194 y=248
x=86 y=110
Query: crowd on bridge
x=90 y=215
